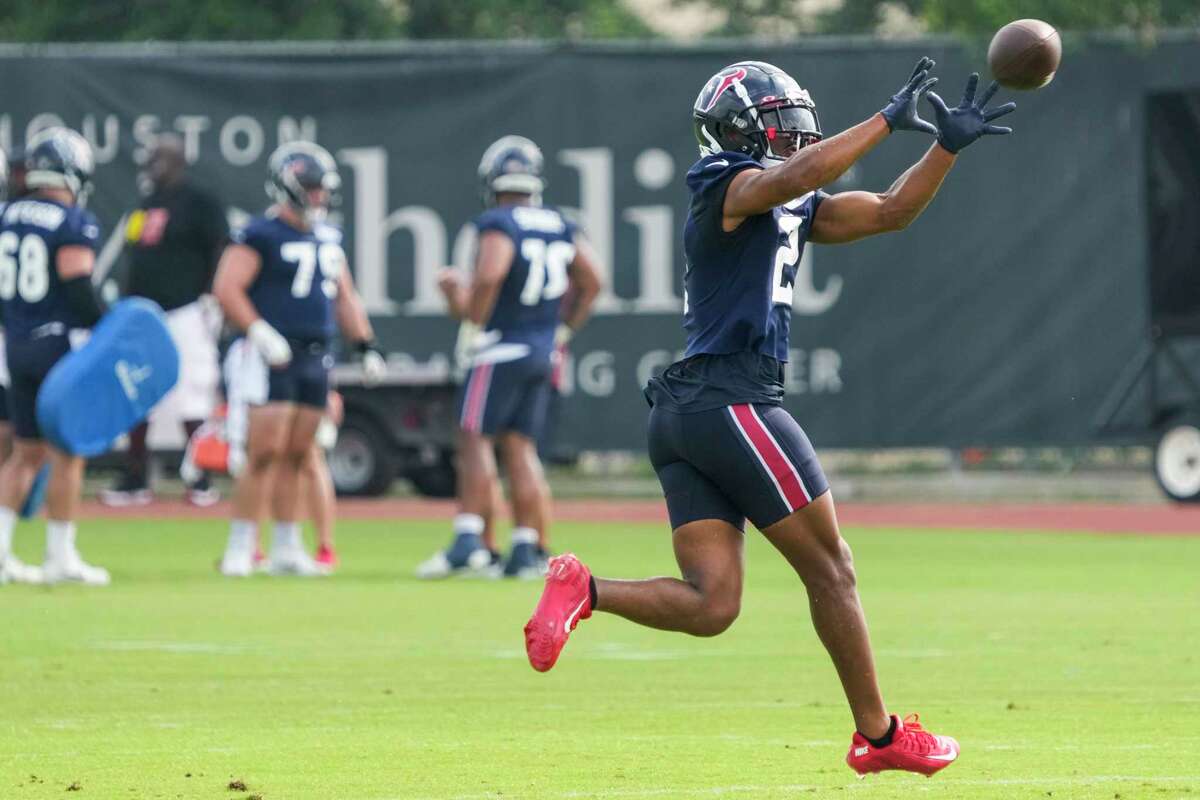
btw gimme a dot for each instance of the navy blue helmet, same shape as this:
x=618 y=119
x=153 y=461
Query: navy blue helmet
x=59 y=158
x=757 y=109
x=295 y=169
x=511 y=164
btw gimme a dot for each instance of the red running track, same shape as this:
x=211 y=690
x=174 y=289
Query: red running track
x=1159 y=519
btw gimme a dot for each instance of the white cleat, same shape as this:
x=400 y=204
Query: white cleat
x=526 y=562
x=237 y=563
x=531 y=573
x=294 y=561
x=73 y=569
x=203 y=498
x=480 y=564
x=14 y=570
x=126 y=498
x=436 y=566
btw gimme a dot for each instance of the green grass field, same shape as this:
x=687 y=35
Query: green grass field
x=1068 y=666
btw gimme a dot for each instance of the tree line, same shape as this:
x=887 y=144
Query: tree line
x=238 y=20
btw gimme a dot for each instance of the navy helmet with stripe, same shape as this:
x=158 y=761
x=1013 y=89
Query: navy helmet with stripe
x=757 y=109
x=511 y=165
x=59 y=158
x=297 y=168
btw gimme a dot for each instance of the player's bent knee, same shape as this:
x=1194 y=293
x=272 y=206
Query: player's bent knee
x=717 y=618
x=310 y=466
x=845 y=563
x=260 y=460
x=835 y=572
x=298 y=456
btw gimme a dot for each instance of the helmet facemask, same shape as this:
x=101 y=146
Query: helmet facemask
x=316 y=213
x=786 y=129
x=515 y=183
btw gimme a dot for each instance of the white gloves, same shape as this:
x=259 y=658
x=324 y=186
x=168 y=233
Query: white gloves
x=471 y=340
x=269 y=342
x=236 y=463
x=327 y=433
x=374 y=367
x=464 y=346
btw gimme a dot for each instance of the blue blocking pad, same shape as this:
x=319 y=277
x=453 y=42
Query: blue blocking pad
x=102 y=390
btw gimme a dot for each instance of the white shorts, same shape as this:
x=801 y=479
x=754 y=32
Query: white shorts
x=246 y=384
x=195 y=394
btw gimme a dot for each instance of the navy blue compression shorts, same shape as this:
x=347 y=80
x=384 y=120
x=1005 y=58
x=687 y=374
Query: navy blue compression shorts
x=734 y=463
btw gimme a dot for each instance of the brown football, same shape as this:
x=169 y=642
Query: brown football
x=1025 y=54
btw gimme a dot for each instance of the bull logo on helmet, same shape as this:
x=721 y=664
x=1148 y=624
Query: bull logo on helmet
x=721 y=81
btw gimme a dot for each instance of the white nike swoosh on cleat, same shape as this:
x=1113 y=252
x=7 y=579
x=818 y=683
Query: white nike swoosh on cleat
x=572 y=615
x=943 y=756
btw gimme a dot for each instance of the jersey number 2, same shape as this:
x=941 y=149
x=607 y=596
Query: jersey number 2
x=786 y=256
x=547 y=269
x=24 y=267
x=307 y=256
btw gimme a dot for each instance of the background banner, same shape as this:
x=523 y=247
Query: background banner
x=1002 y=316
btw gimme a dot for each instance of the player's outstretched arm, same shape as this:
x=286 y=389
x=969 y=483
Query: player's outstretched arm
x=757 y=191
x=754 y=192
x=848 y=216
x=585 y=285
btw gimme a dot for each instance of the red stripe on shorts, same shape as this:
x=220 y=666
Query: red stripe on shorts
x=778 y=466
x=477 y=392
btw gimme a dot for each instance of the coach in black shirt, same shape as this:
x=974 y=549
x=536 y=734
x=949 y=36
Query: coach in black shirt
x=173 y=241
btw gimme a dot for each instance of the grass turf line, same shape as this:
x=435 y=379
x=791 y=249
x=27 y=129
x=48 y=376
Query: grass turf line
x=1064 y=664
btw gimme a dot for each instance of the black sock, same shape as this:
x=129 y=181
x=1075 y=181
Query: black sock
x=137 y=458
x=592 y=591
x=886 y=739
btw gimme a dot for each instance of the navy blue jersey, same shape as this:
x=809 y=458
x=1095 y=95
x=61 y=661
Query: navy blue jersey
x=527 y=308
x=298 y=274
x=738 y=284
x=31 y=294
x=737 y=294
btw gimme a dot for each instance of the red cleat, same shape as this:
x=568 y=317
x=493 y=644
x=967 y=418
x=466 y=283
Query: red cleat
x=913 y=749
x=327 y=556
x=565 y=600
